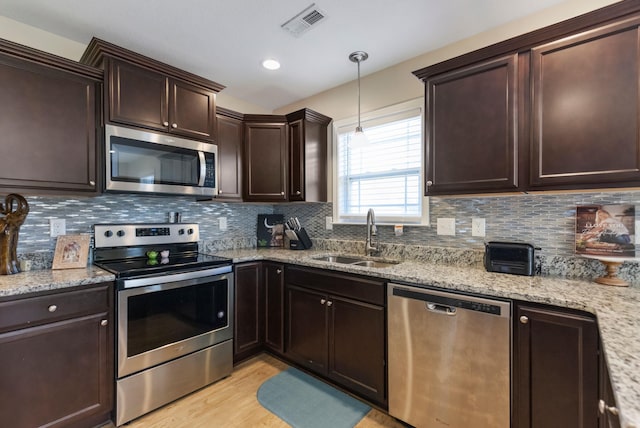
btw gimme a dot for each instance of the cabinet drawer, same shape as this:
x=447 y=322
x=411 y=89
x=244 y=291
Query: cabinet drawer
x=30 y=311
x=355 y=287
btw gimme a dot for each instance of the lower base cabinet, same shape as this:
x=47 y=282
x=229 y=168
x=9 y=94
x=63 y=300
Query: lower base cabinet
x=56 y=354
x=335 y=326
x=556 y=369
x=607 y=409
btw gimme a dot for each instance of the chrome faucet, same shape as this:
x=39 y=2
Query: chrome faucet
x=371 y=247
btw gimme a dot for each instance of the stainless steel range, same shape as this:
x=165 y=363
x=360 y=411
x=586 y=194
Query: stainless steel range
x=174 y=311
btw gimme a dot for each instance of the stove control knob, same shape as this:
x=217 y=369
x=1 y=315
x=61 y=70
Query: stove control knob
x=108 y=234
x=120 y=233
x=190 y=231
x=181 y=232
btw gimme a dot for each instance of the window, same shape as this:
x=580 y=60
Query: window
x=386 y=174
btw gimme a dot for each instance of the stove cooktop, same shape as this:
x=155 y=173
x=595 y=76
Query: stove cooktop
x=143 y=266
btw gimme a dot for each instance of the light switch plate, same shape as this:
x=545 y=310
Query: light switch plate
x=478 y=227
x=57 y=227
x=328 y=223
x=222 y=223
x=446 y=226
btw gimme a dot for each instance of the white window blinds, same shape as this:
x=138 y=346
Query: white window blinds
x=385 y=174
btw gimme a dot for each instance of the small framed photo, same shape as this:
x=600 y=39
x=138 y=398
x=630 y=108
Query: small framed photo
x=72 y=251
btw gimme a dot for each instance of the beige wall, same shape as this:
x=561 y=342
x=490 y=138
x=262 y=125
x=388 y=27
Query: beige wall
x=396 y=84
x=39 y=39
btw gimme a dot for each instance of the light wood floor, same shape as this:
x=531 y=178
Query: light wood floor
x=232 y=402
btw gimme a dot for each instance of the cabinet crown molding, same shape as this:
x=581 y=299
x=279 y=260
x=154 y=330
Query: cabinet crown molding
x=98 y=49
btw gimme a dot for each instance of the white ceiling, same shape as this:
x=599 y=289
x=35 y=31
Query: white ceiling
x=226 y=40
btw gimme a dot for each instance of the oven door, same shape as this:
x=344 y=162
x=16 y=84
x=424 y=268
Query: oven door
x=165 y=317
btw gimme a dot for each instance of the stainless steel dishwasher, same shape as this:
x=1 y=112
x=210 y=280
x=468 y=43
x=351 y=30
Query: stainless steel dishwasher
x=449 y=358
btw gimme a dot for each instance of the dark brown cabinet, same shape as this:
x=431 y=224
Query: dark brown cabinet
x=608 y=412
x=266 y=163
x=556 y=108
x=555 y=369
x=56 y=351
x=274 y=306
x=248 y=335
x=230 y=136
x=142 y=97
x=471 y=128
x=308 y=156
x=335 y=327
x=286 y=157
x=49 y=123
x=585 y=109
x=147 y=93
x=259 y=307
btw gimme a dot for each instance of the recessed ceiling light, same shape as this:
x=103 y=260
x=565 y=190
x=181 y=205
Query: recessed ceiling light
x=271 y=64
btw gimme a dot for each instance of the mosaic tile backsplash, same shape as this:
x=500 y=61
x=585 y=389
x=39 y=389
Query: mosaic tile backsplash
x=545 y=220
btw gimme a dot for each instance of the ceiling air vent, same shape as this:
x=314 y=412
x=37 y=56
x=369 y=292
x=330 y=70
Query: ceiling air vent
x=303 y=21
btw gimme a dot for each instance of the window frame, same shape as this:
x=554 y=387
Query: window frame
x=376 y=117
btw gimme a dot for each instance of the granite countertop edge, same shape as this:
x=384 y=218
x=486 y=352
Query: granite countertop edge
x=616 y=308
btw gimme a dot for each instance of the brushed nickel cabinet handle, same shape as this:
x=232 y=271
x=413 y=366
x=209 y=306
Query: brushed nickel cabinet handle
x=52 y=308
x=165 y=123
x=329 y=303
x=524 y=319
x=104 y=322
x=278 y=271
x=282 y=193
x=174 y=125
x=93 y=183
x=323 y=301
x=298 y=192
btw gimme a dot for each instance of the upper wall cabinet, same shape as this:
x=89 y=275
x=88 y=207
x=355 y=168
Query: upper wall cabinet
x=230 y=136
x=585 y=109
x=308 y=156
x=557 y=108
x=147 y=93
x=471 y=128
x=49 y=122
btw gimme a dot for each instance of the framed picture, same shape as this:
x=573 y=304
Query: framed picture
x=270 y=230
x=72 y=251
x=606 y=230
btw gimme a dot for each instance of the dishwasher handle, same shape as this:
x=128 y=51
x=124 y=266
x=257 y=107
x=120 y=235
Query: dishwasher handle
x=442 y=309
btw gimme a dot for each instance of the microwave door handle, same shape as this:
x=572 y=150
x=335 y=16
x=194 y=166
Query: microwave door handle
x=203 y=169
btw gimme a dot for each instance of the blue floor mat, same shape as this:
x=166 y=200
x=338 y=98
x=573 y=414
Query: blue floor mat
x=305 y=402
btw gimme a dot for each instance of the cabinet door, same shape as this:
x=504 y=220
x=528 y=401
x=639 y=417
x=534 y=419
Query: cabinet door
x=229 y=157
x=192 y=111
x=248 y=336
x=58 y=374
x=585 y=109
x=49 y=129
x=274 y=306
x=296 y=161
x=307 y=336
x=138 y=96
x=265 y=150
x=556 y=370
x=357 y=347
x=608 y=417
x=471 y=129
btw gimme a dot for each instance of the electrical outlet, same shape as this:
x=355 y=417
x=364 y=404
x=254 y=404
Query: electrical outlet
x=446 y=226
x=478 y=227
x=222 y=223
x=57 y=227
x=328 y=223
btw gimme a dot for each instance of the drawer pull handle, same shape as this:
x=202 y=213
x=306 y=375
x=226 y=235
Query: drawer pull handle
x=104 y=322
x=323 y=301
x=278 y=271
x=602 y=407
x=165 y=123
x=524 y=319
x=174 y=125
x=329 y=303
x=52 y=308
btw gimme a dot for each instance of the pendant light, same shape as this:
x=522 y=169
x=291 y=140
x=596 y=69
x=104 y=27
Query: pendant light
x=359 y=139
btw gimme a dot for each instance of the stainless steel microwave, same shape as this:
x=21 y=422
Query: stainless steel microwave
x=149 y=162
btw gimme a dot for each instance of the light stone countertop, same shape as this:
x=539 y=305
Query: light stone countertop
x=45 y=280
x=617 y=308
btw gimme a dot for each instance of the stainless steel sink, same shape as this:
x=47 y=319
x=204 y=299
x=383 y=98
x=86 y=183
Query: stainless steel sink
x=357 y=261
x=375 y=263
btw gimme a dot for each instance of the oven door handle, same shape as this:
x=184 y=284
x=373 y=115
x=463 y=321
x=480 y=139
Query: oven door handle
x=182 y=276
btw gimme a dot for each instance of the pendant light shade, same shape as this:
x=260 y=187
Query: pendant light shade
x=359 y=138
